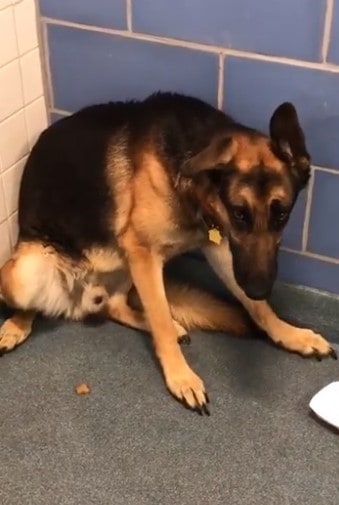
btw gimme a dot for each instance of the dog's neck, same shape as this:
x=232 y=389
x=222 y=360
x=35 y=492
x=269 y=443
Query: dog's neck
x=201 y=201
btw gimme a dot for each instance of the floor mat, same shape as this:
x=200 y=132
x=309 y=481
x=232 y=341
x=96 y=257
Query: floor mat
x=128 y=442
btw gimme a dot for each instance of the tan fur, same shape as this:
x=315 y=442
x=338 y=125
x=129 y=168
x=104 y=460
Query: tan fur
x=16 y=330
x=151 y=184
x=243 y=195
x=252 y=152
x=196 y=309
x=119 y=179
x=104 y=260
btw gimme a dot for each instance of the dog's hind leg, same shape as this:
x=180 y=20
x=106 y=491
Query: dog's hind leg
x=121 y=309
x=29 y=283
x=15 y=330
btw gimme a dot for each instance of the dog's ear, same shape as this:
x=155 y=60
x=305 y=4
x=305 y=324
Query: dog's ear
x=289 y=141
x=215 y=156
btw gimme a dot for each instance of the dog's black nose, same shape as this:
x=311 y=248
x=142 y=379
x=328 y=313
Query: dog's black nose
x=258 y=291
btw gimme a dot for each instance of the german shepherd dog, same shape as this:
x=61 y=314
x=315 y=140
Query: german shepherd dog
x=112 y=192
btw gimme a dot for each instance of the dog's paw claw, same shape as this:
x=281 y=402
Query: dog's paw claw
x=307 y=343
x=188 y=388
x=184 y=339
x=333 y=353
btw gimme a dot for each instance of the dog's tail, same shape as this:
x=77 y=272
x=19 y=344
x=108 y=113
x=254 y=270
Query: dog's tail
x=196 y=309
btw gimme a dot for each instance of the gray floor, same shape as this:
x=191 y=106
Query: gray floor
x=129 y=442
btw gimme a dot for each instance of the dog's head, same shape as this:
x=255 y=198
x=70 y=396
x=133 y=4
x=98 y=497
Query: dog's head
x=253 y=183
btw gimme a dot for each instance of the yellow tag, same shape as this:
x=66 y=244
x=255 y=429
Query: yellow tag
x=214 y=236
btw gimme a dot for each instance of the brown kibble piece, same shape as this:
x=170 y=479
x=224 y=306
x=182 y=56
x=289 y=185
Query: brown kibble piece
x=82 y=389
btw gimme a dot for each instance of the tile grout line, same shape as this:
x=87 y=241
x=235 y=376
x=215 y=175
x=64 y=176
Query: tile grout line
x=3 y=192
x=308 y=254
x=6 y=219
x=6 y=222
x=327 y=29
x=19 y=56
x=5 y=201
x=221 y=82
x=61 y=112
x=13 y=243
x=329 y=67
x=43 y=61
x=22 y=109
x=307 y=216
x=9 y=216
x=10 y=231
x=129 y=15
x=333 y=171
x=13 y=165
x=47 y=65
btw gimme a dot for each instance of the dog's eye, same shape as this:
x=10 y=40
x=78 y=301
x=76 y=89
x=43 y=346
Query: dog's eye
x=281 y=216
x=239 y=214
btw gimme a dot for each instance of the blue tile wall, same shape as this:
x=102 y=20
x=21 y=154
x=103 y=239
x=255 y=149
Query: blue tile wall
x=323 y=235
x=243 y=56
x=263 y=26
x=253 y=89
x=294 y=230
x=334 y=41
x=103 y=13
x=308 y=271
x=88 y=67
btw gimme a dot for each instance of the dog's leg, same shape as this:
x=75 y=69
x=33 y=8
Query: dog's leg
x=183 y=383
x=120 y=311
x=15 y=330
x=29 y=283
x=300 y=340
x=133 y=302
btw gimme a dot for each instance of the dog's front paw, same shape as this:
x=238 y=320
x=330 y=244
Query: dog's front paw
x=188 y=388
x=305 y=342
x=11 y=335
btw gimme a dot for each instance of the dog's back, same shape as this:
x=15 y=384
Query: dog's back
x=64 y=194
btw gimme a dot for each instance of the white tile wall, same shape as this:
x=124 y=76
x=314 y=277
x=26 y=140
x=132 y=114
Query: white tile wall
x=31 y=75
x=22 y=107
x=36 y=119
x=13 y=139
x=8 y=49
x=6 y=245
x=25 y=20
